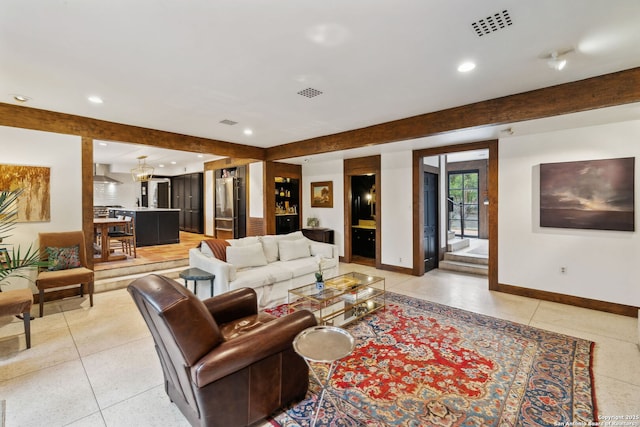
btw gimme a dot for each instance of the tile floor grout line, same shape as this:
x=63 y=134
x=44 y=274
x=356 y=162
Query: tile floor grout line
x=538 y=303
x=84 y=368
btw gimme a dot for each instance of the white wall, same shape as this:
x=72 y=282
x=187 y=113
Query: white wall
x=396 y=204
x=61 y=153
x=601 y=265
x=397 y=209
x=329 y=217
x=256 y=190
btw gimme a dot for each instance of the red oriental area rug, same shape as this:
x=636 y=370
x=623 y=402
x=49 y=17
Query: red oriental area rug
x=418 y=363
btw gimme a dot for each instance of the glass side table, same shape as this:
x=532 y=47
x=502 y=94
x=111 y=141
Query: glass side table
x=324 y=344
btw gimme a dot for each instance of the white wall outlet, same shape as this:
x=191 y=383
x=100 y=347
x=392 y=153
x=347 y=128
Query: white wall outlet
x=563 y=270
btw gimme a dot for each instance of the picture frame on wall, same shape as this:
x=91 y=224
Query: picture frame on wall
x=322 y=194
x=591 y=194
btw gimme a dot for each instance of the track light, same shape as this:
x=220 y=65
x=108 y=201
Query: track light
x=556 y=59
x=555 y=62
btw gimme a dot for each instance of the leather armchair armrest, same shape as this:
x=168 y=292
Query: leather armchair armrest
x=269 y=339
x=232 y=305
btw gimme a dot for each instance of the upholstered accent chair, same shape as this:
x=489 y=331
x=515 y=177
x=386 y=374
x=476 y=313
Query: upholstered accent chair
x=18 y=303
x=225 y=364
x=66 y=257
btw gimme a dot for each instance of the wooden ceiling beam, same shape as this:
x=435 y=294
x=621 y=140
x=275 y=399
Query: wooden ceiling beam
x=50 y=121
x=598 y=92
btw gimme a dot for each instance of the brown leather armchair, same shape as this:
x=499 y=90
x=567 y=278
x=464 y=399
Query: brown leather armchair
x=224 y=363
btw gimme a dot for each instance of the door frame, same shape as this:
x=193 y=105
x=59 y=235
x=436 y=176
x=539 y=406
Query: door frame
x=362 y=166
x=418 y=202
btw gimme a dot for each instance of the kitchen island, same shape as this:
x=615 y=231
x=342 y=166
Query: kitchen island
x=154 y=226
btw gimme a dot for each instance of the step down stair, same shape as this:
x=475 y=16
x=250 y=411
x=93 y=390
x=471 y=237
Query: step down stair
x=465 y=263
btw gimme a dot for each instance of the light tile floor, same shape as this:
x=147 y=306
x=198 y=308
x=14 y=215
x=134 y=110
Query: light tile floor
x=98 y=367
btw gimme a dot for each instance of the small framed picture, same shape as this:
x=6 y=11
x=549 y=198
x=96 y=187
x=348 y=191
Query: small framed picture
x=322 y=194
x=4 y=258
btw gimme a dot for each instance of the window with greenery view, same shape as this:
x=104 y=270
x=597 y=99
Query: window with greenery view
x=463 y=195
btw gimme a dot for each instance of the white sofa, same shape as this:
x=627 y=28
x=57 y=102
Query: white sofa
x=271 y=265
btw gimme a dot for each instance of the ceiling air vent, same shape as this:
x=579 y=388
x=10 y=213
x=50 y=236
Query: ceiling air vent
x=228 y=122
x=492 y=23
x=310 y=92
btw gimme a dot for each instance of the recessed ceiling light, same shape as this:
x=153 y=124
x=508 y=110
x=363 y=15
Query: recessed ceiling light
x=248 y=132
x=95 y=99
x=200 y=156
x=467 y=66
x=103 y=144
x=21 y=98
x=174 y=162
x=161 y=165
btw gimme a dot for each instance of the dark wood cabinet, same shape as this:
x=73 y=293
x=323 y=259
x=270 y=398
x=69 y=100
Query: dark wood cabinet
x=363 y=242
x=324 y=235
x=287 y=194
x=186 y=195
x=282 y=178
x=286 y=224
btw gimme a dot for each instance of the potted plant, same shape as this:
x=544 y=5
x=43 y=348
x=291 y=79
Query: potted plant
x=319 y=281
x=16 y=263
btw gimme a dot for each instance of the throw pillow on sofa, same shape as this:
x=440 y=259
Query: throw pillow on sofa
x=246 y=256
x=244 y=241
x=270 y=247
x=293 y=249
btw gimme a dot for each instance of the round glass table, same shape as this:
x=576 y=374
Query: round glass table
x=323 y=344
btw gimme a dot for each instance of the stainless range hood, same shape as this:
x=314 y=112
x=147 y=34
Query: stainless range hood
x=99 y=174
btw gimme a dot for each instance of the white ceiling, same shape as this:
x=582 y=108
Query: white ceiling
x=185 y=66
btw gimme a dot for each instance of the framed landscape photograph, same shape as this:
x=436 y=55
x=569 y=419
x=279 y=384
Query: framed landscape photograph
x=322 y=194
x=592 y=194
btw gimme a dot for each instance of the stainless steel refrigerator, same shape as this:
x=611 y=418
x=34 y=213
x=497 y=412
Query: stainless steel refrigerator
x=230 y=221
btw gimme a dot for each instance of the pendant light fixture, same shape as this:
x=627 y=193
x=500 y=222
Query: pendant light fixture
x=143 y=172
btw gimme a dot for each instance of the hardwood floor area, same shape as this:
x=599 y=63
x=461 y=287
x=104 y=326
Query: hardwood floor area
x=155 y=254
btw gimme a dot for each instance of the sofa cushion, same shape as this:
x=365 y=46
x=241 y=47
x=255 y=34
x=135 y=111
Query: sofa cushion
x=260 y=276
x=291 y=236
x=270 y=247
x=299 y=267
x=246 y=256
x=293 y=249
x=244 y=241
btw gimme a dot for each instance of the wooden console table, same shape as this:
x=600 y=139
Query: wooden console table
x=318 y=234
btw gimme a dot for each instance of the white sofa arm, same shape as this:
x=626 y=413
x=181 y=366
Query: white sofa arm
x=326 y=250
x=222 y=270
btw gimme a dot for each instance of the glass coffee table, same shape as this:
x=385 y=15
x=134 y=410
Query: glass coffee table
x=343 y=299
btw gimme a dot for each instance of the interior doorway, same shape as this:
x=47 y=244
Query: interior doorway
x=362 y=217
x=472 y=186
